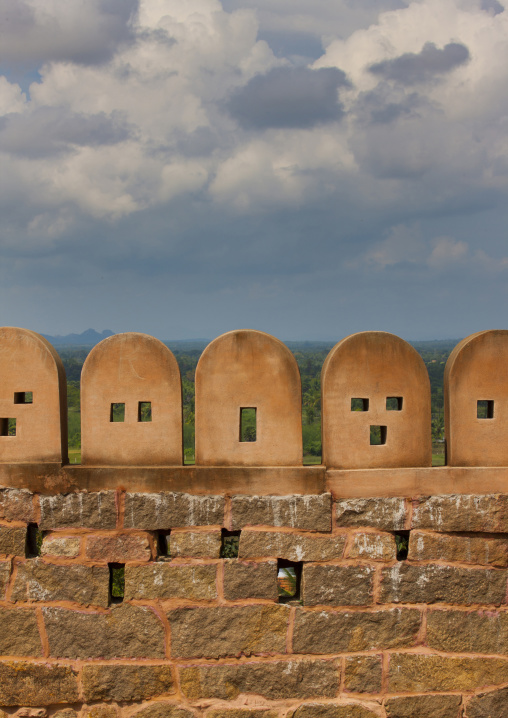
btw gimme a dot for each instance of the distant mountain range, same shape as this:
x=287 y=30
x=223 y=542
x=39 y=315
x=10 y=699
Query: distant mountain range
x=88 y=338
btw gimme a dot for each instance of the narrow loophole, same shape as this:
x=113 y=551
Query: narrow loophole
x=359 y=404
x=8 y=427
x=485 y=409
x=34 y=538
x=23 y=397
x=289 y=578
x=163 y=544
x=402 y=544
x=248 y=429
x=377 y=435
x=145 y=411
x=230 y=542
x=117 y=412
x=394 y=403
x=116 y=582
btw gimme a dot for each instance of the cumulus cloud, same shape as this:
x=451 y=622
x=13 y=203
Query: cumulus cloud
x=412 y=68
x=492 y=6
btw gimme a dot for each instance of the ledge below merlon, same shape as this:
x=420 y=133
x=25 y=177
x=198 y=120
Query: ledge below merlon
x=276 y=480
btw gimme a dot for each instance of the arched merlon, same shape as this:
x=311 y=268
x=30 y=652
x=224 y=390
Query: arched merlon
x=131 y=403
x=33 y=399
x=375 y=379
x=244 y=370
x=476 y=401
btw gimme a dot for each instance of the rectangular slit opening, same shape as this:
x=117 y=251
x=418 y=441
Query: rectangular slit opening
x=145 y=411
x=394 y=403
x=248 y=423
x=377 y=435
x=163 y=545
x=359 y=404
x=23 y=397
x=8 y=427
x=117 y=412
x=402 y=544
x=116 y=582
x=34 y=538
x=289 y=578
x=230 y=542
x=485 y=409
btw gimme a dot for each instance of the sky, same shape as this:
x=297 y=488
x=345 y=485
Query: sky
x=309 y=168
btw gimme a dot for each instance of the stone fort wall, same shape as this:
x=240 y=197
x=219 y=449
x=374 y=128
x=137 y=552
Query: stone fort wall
x=121 y=593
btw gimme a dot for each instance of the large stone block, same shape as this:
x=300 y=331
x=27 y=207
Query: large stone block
x=292 y=547
x=118 y=549
x=333 y=710
x=462 y=512
x=168 y=509
x=404 y=583
x=126 y=683
x=331 y=632
x=334 y=585
x=95 y=510
x=195 y=544
x=276 y=680
x=493 y=704
x=249 y=579
x=62 y=546
x=425 y=546
x=12 y=541
x=241 y=713
x=363 y=674
x=124 y=632
x=36 y=684
x=423 y=707
x=5 y=573
x=228 y=631
x=387 y=514
x=419 y=673
x=40 y=581
x=373 y=546
x=164 y=710
x=310 y=513
x=471 y=632
x=19 y=634
x=196 y=582
x=17 y=505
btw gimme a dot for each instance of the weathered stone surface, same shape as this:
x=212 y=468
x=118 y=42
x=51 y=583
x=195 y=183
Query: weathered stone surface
x=312 y=512
x=163 y=710
x=449 y=584
x=471 y=632
x=168 y=509
x=241 y=713
x=64 y=546
x=228 y=631
x=333 y=710
x=96 y=510
x=425 y=546
x=293 y=547
x=65 y=713
x=423 y=707
x=19 y=634
x=373 y=546
x=16 y=505
x=126 y=683
x=36 y=684
x=363 y=674
x=124 y=632
x=275 y=680
x=418 y=673
x=195 y=544
x=388 y=514
x=337 y=585
x=5 y=572
x=31 y=712
x=40 y=581
x=462 y=512
x=164 y=580
x=345 y=632
x=118 y=549
x=12 y=541
x=493 y=704
x=100 y=711
x=249 y=579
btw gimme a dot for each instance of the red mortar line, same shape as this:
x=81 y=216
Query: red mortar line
x=120 y=507
x=37 y=508
x=385 y=668
x=12 y=579
x=5 y=523
x=42 y=632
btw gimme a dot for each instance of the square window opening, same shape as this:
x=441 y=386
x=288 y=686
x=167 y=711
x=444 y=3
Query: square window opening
x=117 y=412
x=289 y=579
x=8 y=427
x=163 y=545
x=230 y=542
x=394 y=403
x=359 y=404
x=23 y=397
x=34 y=538
x=485 y=409
x=145 y=411
x=377 y=435
x=248 y=424
x=402 y=544
x=116 y=582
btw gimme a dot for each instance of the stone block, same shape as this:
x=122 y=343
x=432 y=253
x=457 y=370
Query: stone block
x=126 y=683
x=373 y=547
x=5 y=573
x=163 y=710
x=195 y=544
x=168 y=509
x=241 y=713
x=292 y=547
x=65 y=713
x=249 y=579
x=100 y=711
x=493 y=704
x=425 y=546
x=62 y=546
x=40 y=581
x=228 y=631
x=334 y=585
x=404 y=583
x=423 y=707
x=387 y=514
x=276 y=680
x=329 y=632
x=487 y=513
x=311 y=513
x=95 y=510
x=12 y=541
x=333 y=710
x=419 y=673
x=123 y=632
x=118 y=549
x=17 y=505
x=19 y=634
x=471 y=632
x=363 y=674
x=196 y=582
x=37 y=684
